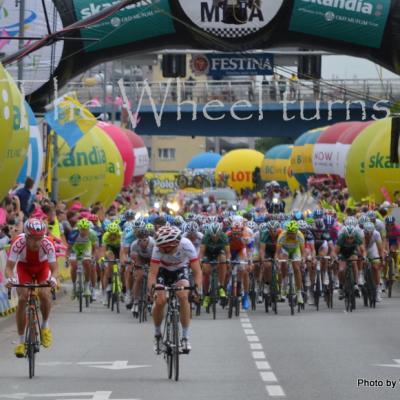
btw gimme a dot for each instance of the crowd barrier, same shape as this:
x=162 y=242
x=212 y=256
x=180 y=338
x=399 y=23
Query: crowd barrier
x=6 y=306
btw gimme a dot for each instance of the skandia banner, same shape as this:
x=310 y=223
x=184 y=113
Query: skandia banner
x=214 y=16
x=355 y=21
x=219 y=65
x=142 y=20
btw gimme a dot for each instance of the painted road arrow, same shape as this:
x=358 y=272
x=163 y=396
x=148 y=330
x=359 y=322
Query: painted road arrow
x=112 y=365
x=397 y=365
x=61 y=396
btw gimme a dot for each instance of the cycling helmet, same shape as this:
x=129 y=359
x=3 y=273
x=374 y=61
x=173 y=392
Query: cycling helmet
x=142 y=233
x=303 y=226
x=83 y=224
x=191 y=227
x=371 y=215
x=292 y=227
x=35 y=227
x=168 y=235
x=350 y=221
x=329 y=221
x=390 y=219
x=113 y=228
x=178 y=221
x=252 y=225
x=129 y=214
x=297 y=215
x=318 y=213
x=205 y=227
x=369 y=227
x=263 y=226
x=190 y=217
x=319 y=224
x=214 y=229
x=273 y=225
x=212 y=219
x=139 y=223
x=237 y=223
x=349 y=231
x=363 y=220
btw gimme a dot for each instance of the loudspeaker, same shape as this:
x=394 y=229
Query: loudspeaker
x=174 y=65
x=309 y=67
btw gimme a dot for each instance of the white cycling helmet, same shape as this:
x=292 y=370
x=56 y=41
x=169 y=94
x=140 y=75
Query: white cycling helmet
x=168 y=235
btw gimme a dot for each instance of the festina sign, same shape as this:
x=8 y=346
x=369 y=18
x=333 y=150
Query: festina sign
x=218 y=65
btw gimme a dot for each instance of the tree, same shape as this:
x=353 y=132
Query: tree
x=263 y=144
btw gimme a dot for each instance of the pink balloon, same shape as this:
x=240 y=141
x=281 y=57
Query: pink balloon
x=140 y=153
x=121 y=140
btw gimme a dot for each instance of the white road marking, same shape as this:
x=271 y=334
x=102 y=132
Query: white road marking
x=275 y=390
x=256 y=346
x=247 y=325
x=249 y=332
x=396 y=365
x=252 y=338
x=112 y=365
x=78 y=396
x=258 y=355
x=268 y=376
x=244 y=320
x=262 y=365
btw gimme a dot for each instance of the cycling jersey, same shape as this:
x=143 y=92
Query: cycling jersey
x=270 y=242
x=289 y=244
x=214 y=248
x=128 y=237
x=393 y=235
x=371 y=244
x=239 y=242
x=144 y=253
x=322 y=240
x=83 y=245
x=182 y=257
x=112 y=240
x=347 y=249
x=32 y=265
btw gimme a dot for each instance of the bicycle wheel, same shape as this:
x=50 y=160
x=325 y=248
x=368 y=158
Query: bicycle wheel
x=317 y=291
x=80 y=291
x=371 y=288
x=167 y=342
x=230 y=306
x=253 y=293
x=291 y=295
x=31 y=343
x=117 y=301
x=389 y=281
x=87 y=301
x=175 y=348
x=237 y=306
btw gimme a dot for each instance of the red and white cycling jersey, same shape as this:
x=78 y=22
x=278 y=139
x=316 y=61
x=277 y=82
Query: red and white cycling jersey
x=20 y=253
x=183 y=256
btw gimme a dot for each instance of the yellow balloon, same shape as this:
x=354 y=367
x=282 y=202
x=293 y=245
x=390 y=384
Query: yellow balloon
x=268 y=169
x=355 y=162
x=239 y=166
x=381 y=176
x=82 y=171
x=114 y=178
x=6 y=113
x=18 y=145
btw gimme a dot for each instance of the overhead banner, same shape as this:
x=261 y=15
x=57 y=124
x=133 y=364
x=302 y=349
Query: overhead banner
x=213 y=16
x=233 y=64
x=354 y=21
x=142 y=20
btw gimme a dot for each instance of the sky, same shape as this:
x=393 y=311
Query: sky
x=345 y=67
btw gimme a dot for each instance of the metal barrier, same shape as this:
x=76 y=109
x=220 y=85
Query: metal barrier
x=169 y=92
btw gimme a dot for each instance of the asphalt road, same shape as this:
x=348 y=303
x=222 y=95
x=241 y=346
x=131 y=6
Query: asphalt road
x=99 y=355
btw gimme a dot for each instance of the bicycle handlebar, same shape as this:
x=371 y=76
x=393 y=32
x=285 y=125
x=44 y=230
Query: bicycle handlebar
x=33 y=286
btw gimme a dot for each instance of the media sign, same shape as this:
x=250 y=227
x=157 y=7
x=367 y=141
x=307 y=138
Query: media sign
x=226 y=64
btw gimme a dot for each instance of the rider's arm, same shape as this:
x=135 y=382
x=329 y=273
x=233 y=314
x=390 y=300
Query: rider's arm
x=54 y=269
x=153 y=272
x=228 y=253
x=277 y=250
x=361 y=249
x=202 y=251
x=197 y=274
x=262 y=251
x=9 y=271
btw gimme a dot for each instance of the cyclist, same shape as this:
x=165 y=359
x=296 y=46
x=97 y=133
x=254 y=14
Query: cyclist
x=192 y=232
x=140 y=252
x=349 y=246
x=392 y=243
x=35 y=257
x=84 y=245
x=291 y=245
x=172 y=255
x=239 y=237
x=374 y=247
x=268 y=242
x=214 y=247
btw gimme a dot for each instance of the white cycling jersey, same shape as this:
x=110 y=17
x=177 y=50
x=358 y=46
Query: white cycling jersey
x=137 y=250
x=182 y=257
x=19 y=251
x=197 y=240
x=371 y=244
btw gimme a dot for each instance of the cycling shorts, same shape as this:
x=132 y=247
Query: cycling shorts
x=168 y=278
x=294 y=254
x=30 y=273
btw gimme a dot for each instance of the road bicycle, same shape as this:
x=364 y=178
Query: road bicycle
x=234 y=295
x=33 y=332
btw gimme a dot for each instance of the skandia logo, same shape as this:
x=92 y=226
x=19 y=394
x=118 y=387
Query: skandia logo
x=96 y=7
x=96 y=156
x=381 y=161
x=358 y=6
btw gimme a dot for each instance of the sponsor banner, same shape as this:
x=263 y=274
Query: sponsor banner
x=215 y=17
x=325 y=158
x=138 y=21
x=355 y=21
x=37 y=68
x=141 y=161
x=219 y=65
x=163 y=182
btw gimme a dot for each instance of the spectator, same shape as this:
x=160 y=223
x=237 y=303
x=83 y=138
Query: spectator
x=294 y=86
x=25 y=196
